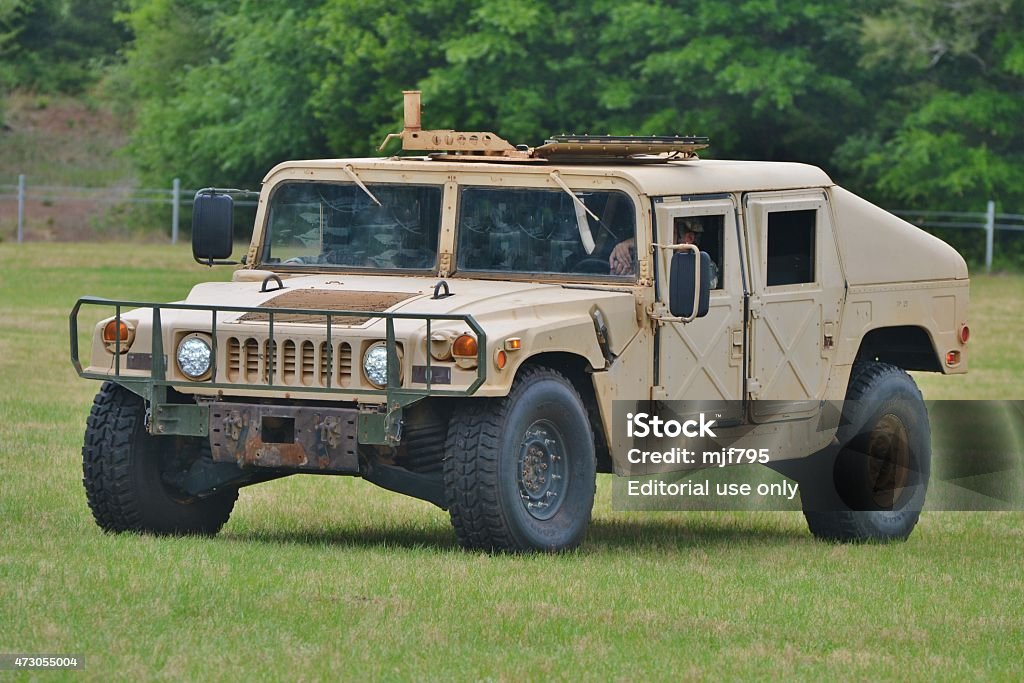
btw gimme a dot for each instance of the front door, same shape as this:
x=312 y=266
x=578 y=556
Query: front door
x=703 y=359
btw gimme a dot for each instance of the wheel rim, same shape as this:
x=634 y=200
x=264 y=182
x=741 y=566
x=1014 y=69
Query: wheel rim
x=541 y=470
x=889 y=460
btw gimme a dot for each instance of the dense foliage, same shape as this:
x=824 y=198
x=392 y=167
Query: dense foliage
x=57 y=44
x=915 y=103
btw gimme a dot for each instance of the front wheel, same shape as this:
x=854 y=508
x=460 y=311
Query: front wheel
x=126 y=473
x=880 y=474
x=520 y=471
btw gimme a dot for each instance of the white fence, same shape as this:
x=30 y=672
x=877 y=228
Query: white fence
x=989 y=221
x=175 y=197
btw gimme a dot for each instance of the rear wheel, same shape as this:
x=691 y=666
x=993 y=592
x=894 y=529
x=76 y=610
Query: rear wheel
x=880 y=474
x=126 y=472
x=520 y=471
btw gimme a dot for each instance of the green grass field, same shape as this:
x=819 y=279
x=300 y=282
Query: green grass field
x=332 y=578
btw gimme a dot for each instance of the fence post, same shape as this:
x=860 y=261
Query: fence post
x=990 y=230
x=175 y=204
x=21 y=208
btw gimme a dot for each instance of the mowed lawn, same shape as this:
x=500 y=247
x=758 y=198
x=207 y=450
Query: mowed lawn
x=332 y=578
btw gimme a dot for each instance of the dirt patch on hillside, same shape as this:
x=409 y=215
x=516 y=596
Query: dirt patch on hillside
x=60 y=143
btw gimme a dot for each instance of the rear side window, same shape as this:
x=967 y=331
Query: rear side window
x=791 y=247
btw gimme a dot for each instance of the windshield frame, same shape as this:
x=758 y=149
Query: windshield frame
x=265 y=234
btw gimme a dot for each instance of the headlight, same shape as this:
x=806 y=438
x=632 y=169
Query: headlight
x=375 y=364
x=194 y=356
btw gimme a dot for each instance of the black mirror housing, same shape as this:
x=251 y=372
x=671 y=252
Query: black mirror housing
x=212 y=227
x=682 y=281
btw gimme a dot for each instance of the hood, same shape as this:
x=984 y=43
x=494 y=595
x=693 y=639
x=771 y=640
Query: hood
x=501 y=306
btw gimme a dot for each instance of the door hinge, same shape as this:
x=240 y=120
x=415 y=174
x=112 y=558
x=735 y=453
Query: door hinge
x=444 y=264
x=645 y=272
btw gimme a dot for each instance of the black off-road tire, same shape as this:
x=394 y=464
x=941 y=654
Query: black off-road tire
x=519 y=471
x=880 y=473
x=121 y=467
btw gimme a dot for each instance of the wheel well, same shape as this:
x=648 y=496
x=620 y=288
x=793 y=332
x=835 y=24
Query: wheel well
x=908 y=347
x=577 y=370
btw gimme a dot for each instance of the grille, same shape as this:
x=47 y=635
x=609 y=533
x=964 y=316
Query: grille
x=234 y=359
x=344 y=364
x=288 y=363
x=251 y=362
x=295 y=362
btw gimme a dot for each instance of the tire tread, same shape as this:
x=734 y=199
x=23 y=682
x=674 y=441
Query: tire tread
x=853 y=525
x=117 y=503
x=471 y=467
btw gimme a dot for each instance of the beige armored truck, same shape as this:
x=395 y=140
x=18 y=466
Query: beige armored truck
x=461 y=322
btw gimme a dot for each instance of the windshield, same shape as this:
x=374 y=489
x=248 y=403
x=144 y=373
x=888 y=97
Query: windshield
x=338 y=225
x=539 y=231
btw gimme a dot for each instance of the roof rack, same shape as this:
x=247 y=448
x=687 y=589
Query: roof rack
x=634 y=147
x=451 y=145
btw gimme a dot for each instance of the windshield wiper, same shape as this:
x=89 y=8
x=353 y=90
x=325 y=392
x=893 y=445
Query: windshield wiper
x=350 y=172
x=581 y=220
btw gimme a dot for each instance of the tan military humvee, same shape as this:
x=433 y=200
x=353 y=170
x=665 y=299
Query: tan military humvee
x=458 y=326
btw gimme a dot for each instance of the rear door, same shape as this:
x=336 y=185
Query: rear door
x=797 y=293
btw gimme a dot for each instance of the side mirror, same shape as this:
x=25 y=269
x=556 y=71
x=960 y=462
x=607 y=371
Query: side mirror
x=212 y=227
x=688 y=297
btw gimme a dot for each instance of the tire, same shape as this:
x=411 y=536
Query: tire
x=124 y=467
x=880 y=474
x=520 y=471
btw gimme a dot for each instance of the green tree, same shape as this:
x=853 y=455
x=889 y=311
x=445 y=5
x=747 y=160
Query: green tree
x=223 y=89
x=522 y=68
x=948 y=134
x=915 y=102
x=261 y=82
x=371 y=50
x=54 y=45
x=768 y=79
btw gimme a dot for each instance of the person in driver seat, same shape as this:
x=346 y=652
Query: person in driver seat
x=686 y=230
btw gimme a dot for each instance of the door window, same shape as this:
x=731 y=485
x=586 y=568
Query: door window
x=706 y=232
x=791 y=239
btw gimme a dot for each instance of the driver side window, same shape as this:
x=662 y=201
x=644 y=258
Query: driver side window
x=708 y=234
x=526 y=230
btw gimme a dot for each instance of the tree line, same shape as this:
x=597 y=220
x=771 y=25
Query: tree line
x=913 y=103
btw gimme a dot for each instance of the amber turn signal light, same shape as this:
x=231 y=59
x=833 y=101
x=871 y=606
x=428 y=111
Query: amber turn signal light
x=114 y=330
x=465 y=346
x=117 y=336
